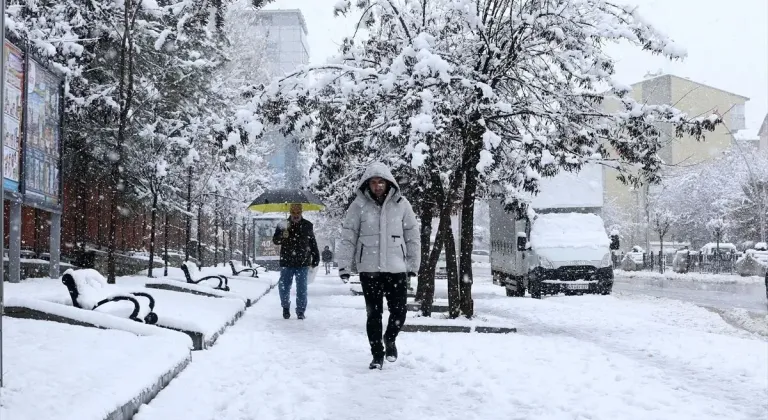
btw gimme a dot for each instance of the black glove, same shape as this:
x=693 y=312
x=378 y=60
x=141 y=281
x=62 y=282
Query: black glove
x=315 y=263
x=344 y=277
x=411 y=274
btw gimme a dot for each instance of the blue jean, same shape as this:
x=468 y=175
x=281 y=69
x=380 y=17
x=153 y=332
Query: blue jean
x=286 y=281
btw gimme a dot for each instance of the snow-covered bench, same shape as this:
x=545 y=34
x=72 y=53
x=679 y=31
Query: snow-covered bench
x=89 y=290
x=235 y=272
x=194 y=276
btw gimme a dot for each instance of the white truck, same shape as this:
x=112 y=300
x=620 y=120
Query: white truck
x=563 y=249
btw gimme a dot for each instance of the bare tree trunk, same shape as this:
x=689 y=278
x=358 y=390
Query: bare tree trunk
x=427 y=213
x=112 y=238
x=125 y=96
x=188 y=245
x=661 y=254
x=152 y=229
x=199 y=234
x=467 y=242
x=454 y=297
x=216 y=231
x=165 y=239
x=446 y=198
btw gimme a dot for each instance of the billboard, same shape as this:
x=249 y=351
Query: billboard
x=12 y=115
x=265 y=229
x=42 y=151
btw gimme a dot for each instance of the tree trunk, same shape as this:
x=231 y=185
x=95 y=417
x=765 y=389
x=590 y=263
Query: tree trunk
x=454 y=297
x=112 y=238
x=152 y=229
x=467 y=242
x=661 y=254
x=446 y=198
x=188 y=245
x=428 y=296
x=245 y=246
x=199 y=234
x=165 y=253
x=125 y=97
x=427 y=213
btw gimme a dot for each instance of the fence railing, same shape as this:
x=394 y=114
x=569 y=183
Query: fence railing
x=690 y=262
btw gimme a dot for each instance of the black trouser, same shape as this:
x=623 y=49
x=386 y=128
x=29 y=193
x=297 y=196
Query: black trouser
x=375 y=287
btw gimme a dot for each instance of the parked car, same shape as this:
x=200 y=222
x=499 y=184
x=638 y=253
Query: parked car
x=481 y=256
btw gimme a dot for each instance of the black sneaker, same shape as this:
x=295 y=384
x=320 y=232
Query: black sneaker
x=376 y=363
x=300 y=315
x=286 y=313
x=391 y=352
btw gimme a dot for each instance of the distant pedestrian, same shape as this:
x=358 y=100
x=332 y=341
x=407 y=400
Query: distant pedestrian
x=298 y=251
x=327 y=259
x=381 y=234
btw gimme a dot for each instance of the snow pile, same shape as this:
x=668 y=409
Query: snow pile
x=569 y=237
x=694 y=277
x=93 y=288
x=753 y=263
x=61 y=371
x=96 y=318
x=632 y=261
x=746 y=320
x=568 y=230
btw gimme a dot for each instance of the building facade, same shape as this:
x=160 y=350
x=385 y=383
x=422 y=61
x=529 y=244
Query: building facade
x=630 y=205
x=269 y=44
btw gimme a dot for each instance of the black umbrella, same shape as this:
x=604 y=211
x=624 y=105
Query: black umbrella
x=280 y=200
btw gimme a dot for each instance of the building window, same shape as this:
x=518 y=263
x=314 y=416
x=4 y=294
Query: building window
x=738 y=119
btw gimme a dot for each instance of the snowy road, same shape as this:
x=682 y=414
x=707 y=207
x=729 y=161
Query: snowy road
x=590 y=357
x=717 y=295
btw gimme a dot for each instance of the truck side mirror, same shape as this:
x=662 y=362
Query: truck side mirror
x=615 y=243
x=522 y=241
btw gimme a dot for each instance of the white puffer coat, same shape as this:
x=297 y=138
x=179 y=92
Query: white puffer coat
x=379 y=238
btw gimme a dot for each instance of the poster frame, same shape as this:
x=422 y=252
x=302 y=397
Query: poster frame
x=35 y=200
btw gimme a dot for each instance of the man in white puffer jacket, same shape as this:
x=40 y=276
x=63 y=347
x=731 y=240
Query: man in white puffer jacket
x=381 y=233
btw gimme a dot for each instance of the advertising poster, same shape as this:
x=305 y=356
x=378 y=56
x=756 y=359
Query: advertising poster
x=265 y=229
x=41 y=160
x=12 y=111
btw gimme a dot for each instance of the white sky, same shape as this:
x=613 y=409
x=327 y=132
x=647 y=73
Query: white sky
x=727 y=43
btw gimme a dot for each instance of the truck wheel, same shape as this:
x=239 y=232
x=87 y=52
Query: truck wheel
x=520 y=288
x=510 y=293
x=534 y=286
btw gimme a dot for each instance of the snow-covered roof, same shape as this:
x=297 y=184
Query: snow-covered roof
x=568 y=230
x=746 y=135
x=652 y=77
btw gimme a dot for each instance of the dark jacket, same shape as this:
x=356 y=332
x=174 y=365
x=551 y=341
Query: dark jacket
x=327 y=255
x=299 y=249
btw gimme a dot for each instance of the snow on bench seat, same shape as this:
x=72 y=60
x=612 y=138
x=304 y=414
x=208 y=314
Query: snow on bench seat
x=201 y=317
x=14 y=305
x=89 y=290
x=56 y=371
x=197 y=289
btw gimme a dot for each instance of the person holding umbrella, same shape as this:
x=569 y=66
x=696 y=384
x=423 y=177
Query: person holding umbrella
x=298 y=251
x=380 y=233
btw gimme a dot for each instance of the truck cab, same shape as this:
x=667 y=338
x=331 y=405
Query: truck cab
x=553 y=253
x=560 y=247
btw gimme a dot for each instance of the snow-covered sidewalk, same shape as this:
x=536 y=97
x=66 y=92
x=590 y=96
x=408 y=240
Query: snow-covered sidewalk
x=575 y=357
x=60 y=371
